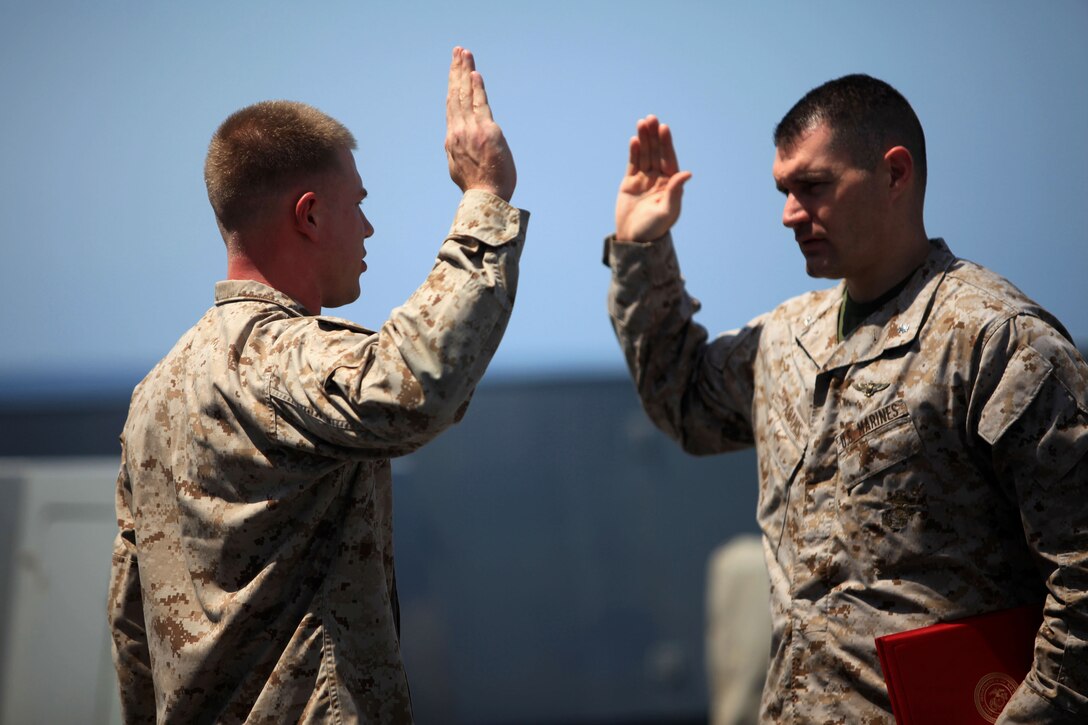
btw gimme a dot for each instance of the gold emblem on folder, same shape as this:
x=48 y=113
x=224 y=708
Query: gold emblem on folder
x=992 y=693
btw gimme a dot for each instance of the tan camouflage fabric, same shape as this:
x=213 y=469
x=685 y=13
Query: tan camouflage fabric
x=929 y=467
x=253 y=575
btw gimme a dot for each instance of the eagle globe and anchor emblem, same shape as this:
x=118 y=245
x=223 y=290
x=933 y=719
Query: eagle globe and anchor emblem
x=992 y=693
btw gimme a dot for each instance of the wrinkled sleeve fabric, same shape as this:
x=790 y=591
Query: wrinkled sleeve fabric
x=387 y=393
x=126 y=616
x=1033 y=415
x=697 y=391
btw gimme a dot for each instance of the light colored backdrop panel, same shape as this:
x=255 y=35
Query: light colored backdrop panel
x=58 y=667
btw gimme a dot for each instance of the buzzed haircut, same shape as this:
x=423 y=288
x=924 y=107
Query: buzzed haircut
x=262 y=150
x=866 y=117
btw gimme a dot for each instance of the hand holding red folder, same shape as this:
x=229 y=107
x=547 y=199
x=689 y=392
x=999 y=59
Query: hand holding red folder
x=962 y=672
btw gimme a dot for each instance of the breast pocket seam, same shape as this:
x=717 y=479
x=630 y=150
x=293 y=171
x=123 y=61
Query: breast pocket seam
x=886 y=446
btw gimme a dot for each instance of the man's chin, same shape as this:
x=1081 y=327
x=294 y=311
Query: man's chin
x=347 y=299
x=820 y=271
x=820 y=264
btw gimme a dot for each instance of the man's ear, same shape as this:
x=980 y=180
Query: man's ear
x=306 y=216
x=900 y=166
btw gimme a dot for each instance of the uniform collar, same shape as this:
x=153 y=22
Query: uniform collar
x=246 y=290
x=894 y=325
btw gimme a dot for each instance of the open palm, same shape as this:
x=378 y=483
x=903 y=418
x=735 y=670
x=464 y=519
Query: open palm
x=648 y=203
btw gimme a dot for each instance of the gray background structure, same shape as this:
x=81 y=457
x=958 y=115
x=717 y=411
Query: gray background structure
x=551 y=552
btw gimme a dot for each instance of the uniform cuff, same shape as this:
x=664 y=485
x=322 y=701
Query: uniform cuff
x=488 y=218
x=656 y=259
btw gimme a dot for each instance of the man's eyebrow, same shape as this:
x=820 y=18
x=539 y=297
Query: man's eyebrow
x=362 y=193
x=801 y=176
x=806 y=173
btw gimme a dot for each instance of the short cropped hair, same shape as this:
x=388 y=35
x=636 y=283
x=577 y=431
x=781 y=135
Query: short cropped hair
x=866 y=117
x=264 y=149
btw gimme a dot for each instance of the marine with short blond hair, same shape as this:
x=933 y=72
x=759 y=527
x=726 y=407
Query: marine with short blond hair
x=253 y=576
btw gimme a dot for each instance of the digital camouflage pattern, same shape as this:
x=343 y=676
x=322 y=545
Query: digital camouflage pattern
x=253 y=574
x=931 y=466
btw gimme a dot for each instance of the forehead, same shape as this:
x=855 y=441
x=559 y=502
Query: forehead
x=348 y=166
x=344 y=178
x=811 y=152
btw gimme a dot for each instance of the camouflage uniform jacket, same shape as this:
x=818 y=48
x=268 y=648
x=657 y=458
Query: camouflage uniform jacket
x=929 y=467
x=252 y=574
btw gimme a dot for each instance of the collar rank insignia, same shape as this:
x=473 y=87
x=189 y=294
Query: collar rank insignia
x=869 y=389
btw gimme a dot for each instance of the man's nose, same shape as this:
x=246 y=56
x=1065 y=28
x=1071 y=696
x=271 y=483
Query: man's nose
x=793 y=213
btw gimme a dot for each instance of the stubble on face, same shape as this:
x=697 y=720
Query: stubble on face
x=828 y=204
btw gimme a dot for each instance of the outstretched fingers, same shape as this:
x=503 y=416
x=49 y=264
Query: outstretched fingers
x=478 y=155
x=669 y=164
x=656 y=152
x=648 y=202
x=632 y=156
x=453 y=100
x=646 y=141
x=468 y=65
x=459 y=95
x=466 y=95
x=480 y=105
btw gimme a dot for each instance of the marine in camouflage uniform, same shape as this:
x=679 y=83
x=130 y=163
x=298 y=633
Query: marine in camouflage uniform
x=253 y=574
x=928 y=465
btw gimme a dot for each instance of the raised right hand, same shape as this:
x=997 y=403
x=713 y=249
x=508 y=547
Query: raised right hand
x=648 y=203
x=475 y=147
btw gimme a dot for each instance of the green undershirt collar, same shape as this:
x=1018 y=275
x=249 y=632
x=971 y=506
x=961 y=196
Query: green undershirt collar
x=852 y=314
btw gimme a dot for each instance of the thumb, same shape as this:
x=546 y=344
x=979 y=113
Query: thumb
x=675 y=186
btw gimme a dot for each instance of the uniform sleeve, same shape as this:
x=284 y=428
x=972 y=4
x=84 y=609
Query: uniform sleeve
x=1035 y=422
x=387 y=393
x=698 y=392
x=126 y=616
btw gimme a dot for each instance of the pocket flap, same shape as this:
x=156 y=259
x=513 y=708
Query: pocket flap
x=876 y=443
x=1023 y=377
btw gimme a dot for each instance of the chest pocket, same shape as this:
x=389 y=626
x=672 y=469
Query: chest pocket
x=876 y=443
x=885 y=501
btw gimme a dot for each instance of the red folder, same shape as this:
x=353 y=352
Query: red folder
x=959 y=672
